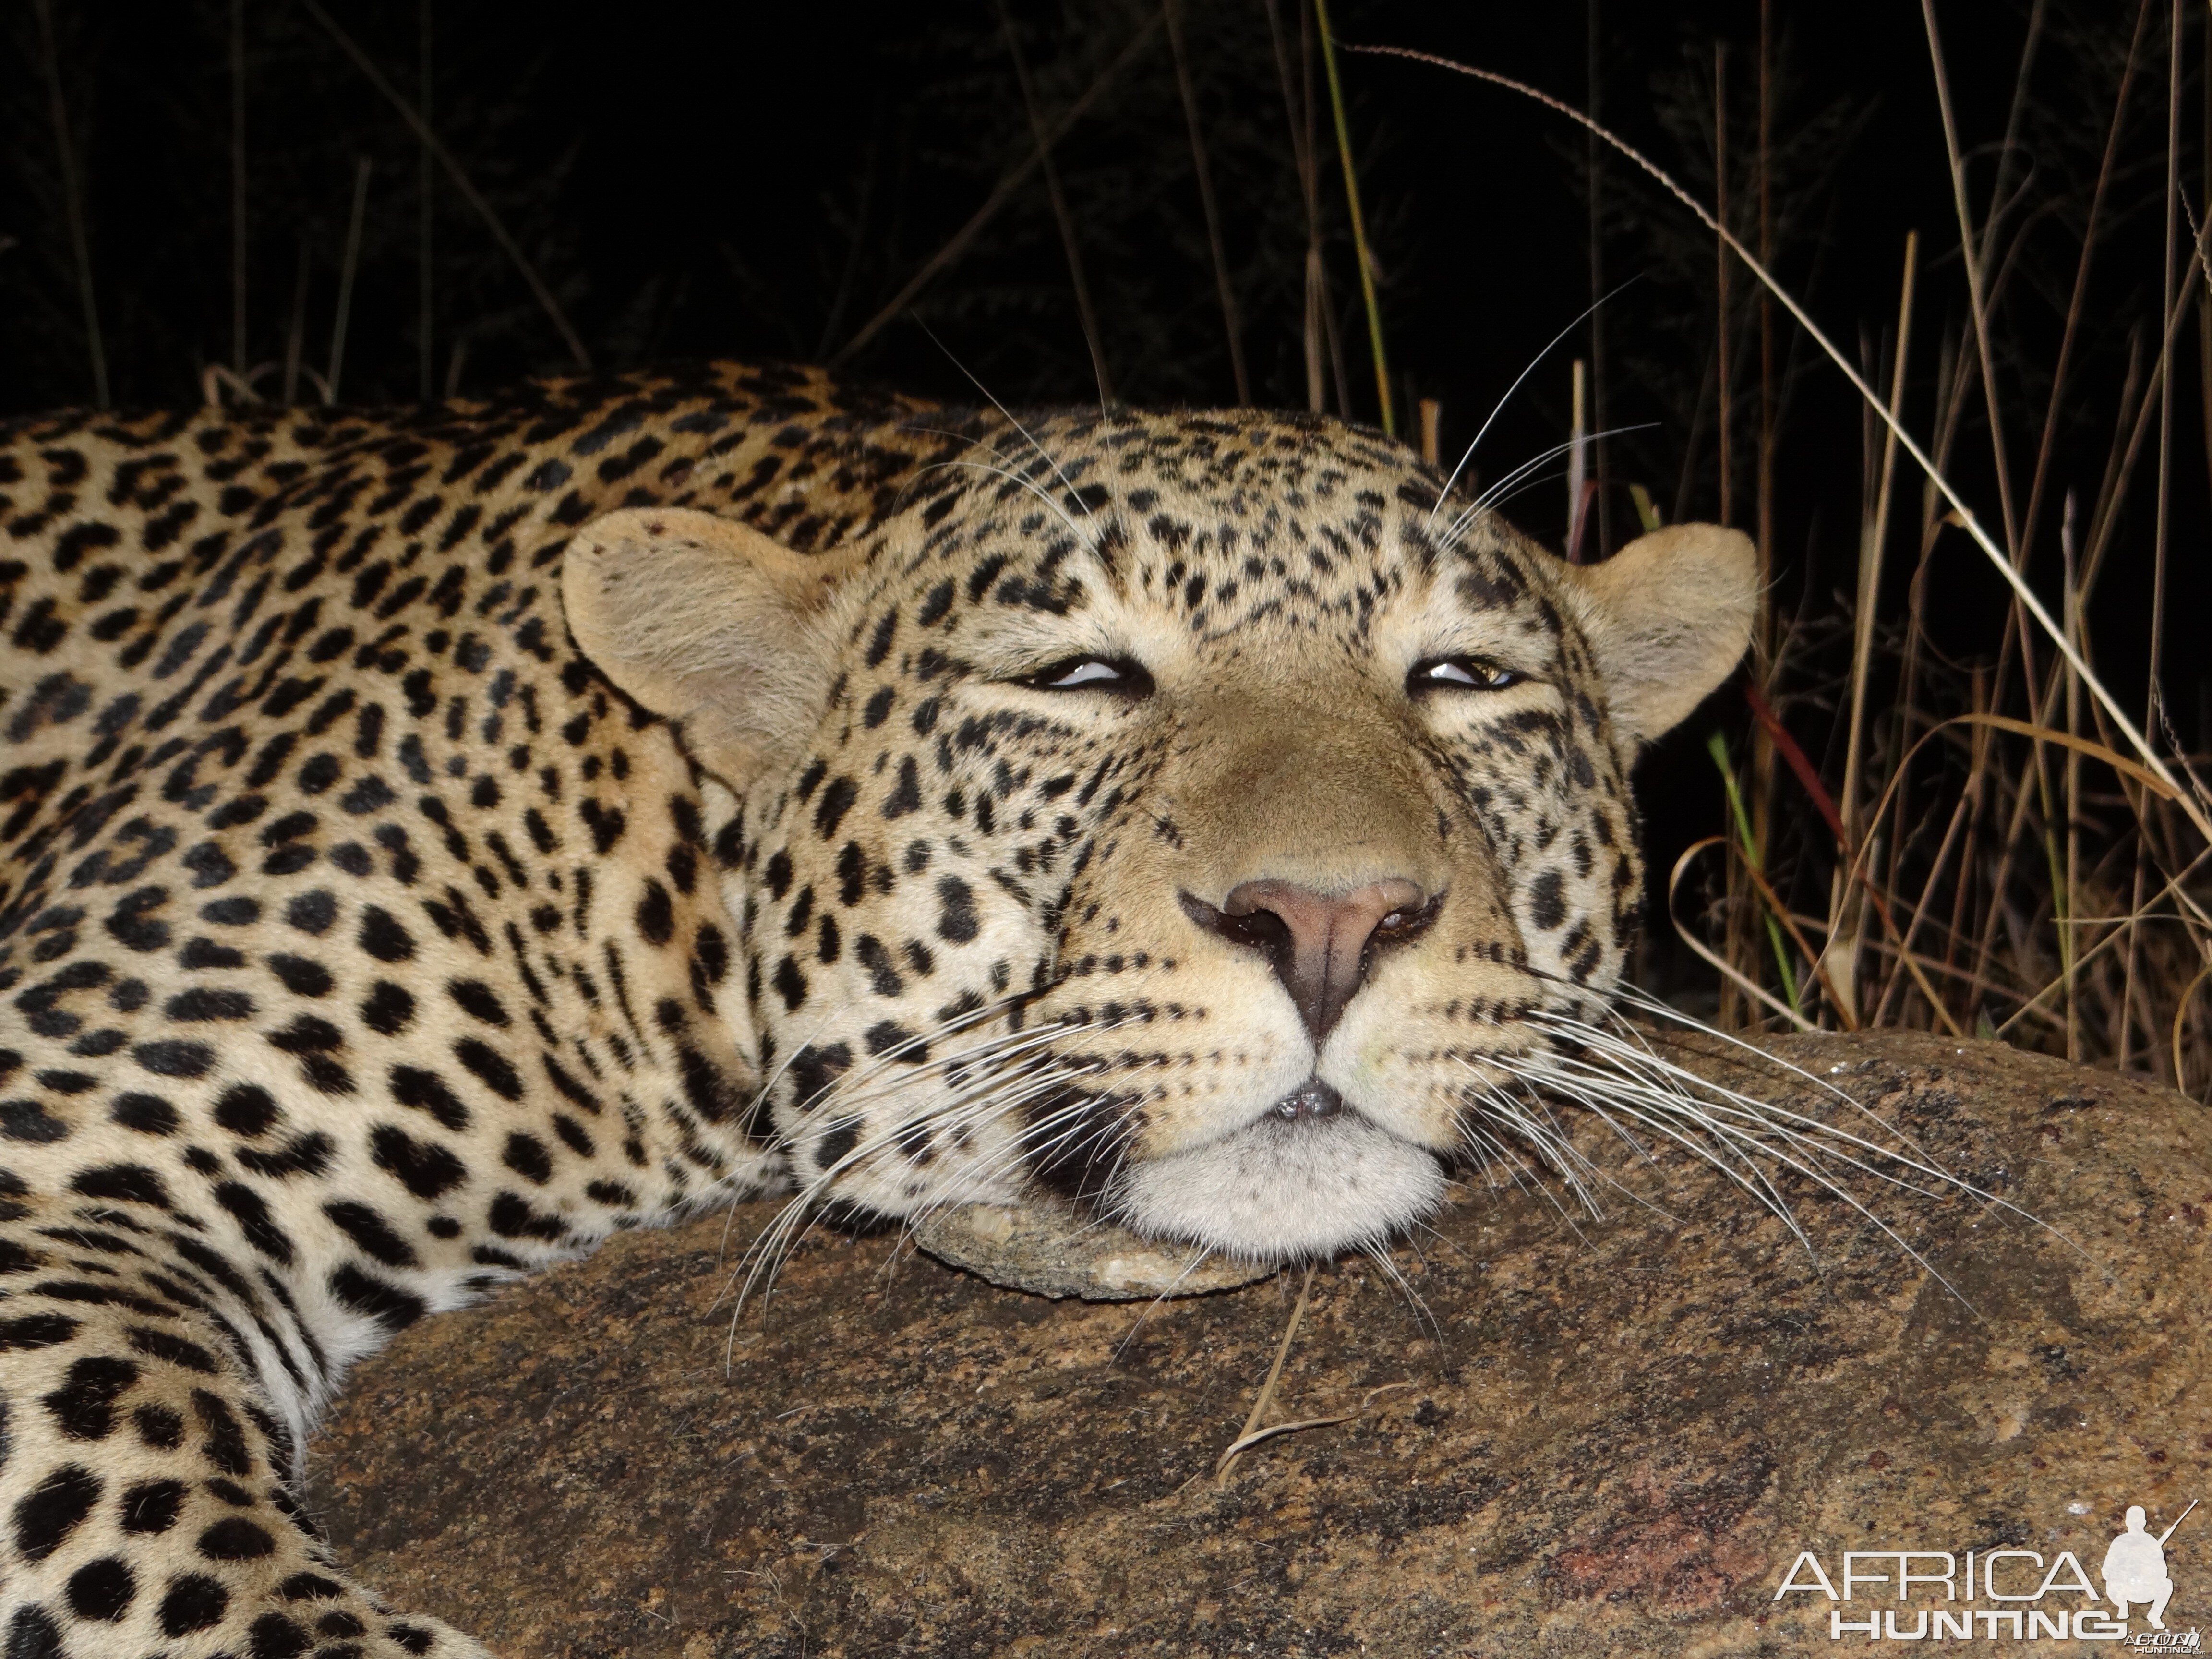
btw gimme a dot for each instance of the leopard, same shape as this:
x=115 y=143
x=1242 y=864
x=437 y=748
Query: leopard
x=434 y=839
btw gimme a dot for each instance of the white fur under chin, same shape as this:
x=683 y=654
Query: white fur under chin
x=1274 y=1191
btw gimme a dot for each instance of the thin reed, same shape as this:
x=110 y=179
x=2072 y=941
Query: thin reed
x=1994 y=844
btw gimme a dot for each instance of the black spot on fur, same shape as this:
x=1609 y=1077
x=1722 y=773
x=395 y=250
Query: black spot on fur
x=102 y=1590
x=159 y=1427
x=474 y=997
x=195 y=1601
x=492 y=1066
x=655 y=916
x=426 y=1092
x=301 y=975
x=906 y=795
x=528 y=1157
x=388 y=1010
x=45 y=1515
x=83 y=1407
x=235 y=1538
x=883 y=978
x=370 y=1234
x=835 y=1145
x=33 y=1633
x=122 y=1183
x=175 y=1059
x=206 y=1003
x=252 y=1213
x=836 y=800
x=383 y=938
x=173 y=1349
x=152 y=1506
x=813 y=1069
x=313 y=913
x=385 y=1302
x=790 y=984
x=149 y=1115
x=245 y=1108
x=424 y=1168
x=1547 y=902
x=955 y=915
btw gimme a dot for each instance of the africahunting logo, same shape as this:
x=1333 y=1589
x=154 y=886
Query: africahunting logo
x=2001 y=1595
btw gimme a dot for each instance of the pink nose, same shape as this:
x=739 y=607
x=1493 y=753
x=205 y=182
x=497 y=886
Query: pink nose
x=1320 y=945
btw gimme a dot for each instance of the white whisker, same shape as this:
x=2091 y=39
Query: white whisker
x=1497 y=408
x=1498 y=491
x=1012 y=422
x=1012 y=477
x=1374 y=1251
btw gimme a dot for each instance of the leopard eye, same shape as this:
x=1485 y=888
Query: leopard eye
x=1459 y=674
x=1116 y=674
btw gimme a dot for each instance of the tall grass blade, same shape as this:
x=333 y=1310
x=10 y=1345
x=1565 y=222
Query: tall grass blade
x=347 y=268
x=469 y=193
x=1962 y=514
x=72 y=201
x=1359 y=221
x=1071 y=245
x=1231 y=325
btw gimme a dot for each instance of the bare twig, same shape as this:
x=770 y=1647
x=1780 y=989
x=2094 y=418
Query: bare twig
x=1961 y=514
x=1230 y=324
x=469 y=193
x=1001 y=193
x=72 y=203
x=425 y=203
x=1871 y=555
x=1359 y=221
x=1974 y=250
x=295 y=334
x=1267 y=1389
x=1065 y=221
x=1316 y=284
x=2074 y=305
x=2165 y=495
x=346 y=269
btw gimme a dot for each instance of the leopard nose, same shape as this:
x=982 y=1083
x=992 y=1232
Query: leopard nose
x=1320 y=945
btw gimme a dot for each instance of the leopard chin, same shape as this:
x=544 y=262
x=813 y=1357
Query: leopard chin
x=1285 y=1187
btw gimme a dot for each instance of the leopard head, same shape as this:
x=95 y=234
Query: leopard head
x=1184 y=812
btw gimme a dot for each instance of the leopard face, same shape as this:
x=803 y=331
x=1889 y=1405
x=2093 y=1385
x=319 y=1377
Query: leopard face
x=1180 y=813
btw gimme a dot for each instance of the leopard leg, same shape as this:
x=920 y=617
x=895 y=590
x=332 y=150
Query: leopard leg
x=149 y=1469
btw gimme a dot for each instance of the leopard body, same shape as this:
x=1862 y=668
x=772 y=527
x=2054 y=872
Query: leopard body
x=375 y=926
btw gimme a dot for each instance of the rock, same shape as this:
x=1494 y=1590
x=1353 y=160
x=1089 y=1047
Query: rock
x=1049 y=1250
x=1571 y=1436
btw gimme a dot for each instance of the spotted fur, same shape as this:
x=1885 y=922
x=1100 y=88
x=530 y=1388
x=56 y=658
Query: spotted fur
x=364 y=942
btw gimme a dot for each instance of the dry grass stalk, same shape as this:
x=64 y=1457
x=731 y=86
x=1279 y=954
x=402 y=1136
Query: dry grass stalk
x=1232 y=326
x=1359 y=248
x=469 y=193
x=1069 y=242
x=72 y=201
x=1984 y=876
x=348 y=267
x=1009 y=186
x=238 y=361
x=1267 y=1395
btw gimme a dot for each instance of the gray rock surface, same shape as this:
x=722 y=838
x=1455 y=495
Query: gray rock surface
x=1605 y=1437
x=1053 y=1251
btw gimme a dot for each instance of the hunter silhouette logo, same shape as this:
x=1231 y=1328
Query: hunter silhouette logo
x=2008 y=1593
x=2135 y=1567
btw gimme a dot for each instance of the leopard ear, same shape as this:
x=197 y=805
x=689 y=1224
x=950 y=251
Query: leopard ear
x=1668 y=615
x=711 y=623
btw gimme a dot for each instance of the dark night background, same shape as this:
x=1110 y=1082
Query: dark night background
x=753 y=181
